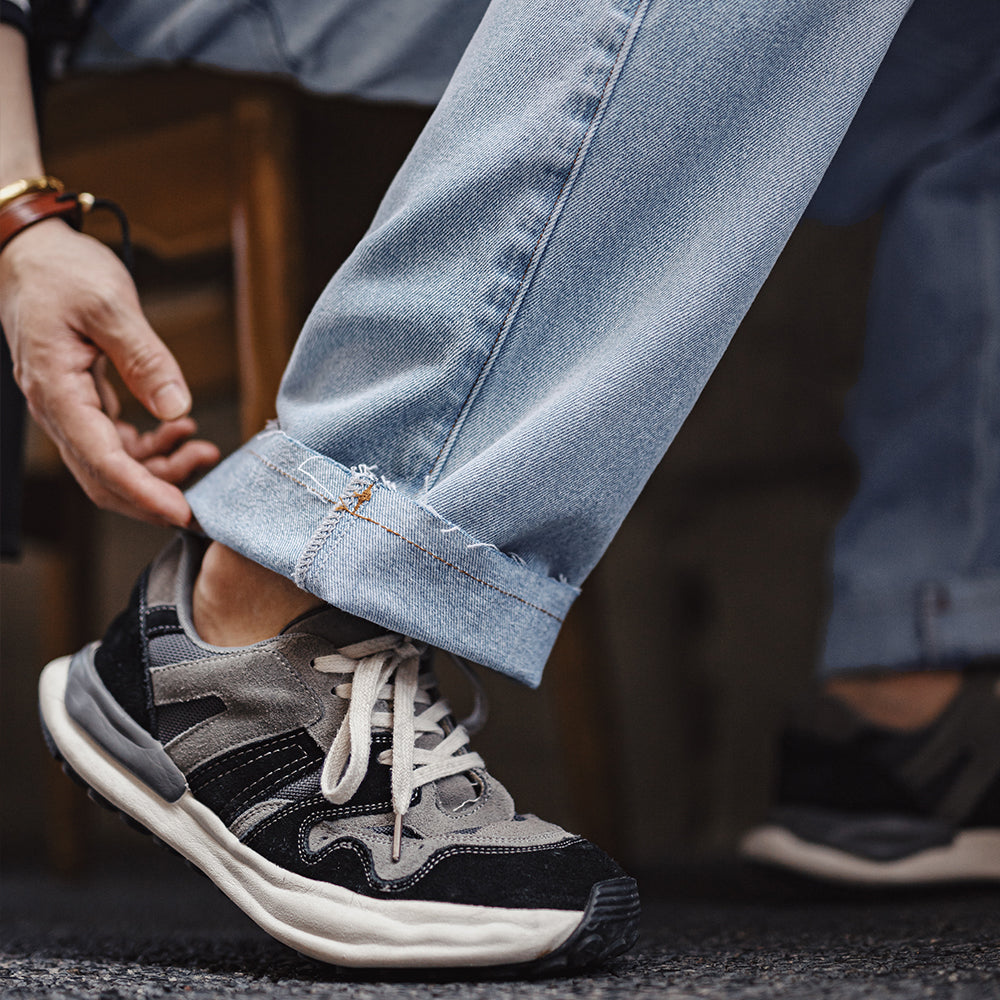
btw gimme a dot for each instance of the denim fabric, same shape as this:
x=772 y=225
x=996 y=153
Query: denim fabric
x=390 y=50
x=917 y=557
x=545 y=289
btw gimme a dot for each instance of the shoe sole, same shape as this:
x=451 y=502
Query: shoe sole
x=973 y=856
x=326 y=921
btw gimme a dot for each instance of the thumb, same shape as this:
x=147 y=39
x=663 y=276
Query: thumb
x=144 y=362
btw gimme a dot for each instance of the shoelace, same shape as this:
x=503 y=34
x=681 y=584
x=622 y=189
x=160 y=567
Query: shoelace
x=387 y=668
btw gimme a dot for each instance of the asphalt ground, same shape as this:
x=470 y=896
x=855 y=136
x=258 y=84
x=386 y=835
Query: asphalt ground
x=709 y=930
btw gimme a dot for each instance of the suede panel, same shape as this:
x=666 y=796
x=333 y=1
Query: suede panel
x=162 y=621
x=556 y=877
x=232 y=782
x=948 y=771
x=120 y=661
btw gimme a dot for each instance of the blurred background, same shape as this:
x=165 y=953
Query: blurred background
x=654 y=727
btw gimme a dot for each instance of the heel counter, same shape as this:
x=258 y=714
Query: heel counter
x=121 y=661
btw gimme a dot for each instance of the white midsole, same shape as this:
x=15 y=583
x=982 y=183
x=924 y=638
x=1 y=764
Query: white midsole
x=326 y=921
x=974 y=855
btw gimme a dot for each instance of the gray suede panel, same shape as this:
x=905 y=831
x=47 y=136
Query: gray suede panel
x=245 y=822
x=161 y=587
x=375 y=832
x=91 y=706
x=264 y=696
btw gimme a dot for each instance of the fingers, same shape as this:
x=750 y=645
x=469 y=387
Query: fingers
x=97 y=452
x=105 y=390
x=115 y=323
x=181 y=465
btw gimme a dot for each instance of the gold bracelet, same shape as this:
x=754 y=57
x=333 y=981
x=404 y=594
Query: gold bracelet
x=28 y=185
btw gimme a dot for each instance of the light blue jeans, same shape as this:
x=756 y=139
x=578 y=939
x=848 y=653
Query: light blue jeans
x=485 y=386
x=916 y=560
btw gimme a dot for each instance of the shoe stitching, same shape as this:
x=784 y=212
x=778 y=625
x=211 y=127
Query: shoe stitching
x=158 y=630
x=147 y=678
x=428 y=866
x=375 y=809
x=481 y=803
x=293 y=674
x=410 y=541
x=245 y=754
x=294 y=769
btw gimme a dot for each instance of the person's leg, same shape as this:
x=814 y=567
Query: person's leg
x=546 y=288
x=380 y=50
x=917 y=555
x=916 y=558
x=892 y=773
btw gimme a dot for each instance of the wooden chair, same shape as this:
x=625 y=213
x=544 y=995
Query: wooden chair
x=205 y=169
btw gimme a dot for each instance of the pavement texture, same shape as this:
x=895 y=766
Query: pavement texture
x=709 y=930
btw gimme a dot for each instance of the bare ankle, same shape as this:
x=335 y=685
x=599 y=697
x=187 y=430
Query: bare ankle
x=898 y=700
x=237 y=602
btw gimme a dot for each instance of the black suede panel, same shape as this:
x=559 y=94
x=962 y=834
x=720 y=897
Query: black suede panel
x=162 y=621
x=121 y=663
x=833 y=775
x=232 y=782
x=556 y=877
x=863 y=775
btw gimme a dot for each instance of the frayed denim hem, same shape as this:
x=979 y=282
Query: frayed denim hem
x=351 y=538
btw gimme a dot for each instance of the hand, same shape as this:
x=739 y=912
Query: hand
x=68 y=306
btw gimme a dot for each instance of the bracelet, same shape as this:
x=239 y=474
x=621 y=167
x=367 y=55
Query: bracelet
x=27 y=208
x=27 y=185
x=24 y=211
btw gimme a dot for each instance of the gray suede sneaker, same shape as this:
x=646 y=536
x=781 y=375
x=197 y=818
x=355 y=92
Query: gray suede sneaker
x=321 y=782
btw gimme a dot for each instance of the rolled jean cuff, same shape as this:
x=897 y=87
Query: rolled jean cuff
x=351 y=538
x=949 y=623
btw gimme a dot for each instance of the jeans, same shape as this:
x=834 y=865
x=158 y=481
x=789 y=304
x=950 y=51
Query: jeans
x=484 y=387
x=916 y=559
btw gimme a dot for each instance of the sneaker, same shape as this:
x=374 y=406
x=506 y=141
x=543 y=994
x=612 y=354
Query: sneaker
x=319 y=779
x=861 y=804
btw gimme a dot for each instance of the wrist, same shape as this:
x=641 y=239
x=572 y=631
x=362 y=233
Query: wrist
x=29 y=203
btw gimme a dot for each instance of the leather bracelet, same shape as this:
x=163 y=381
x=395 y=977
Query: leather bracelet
x=20 y=213
x=28 y=185
x=27 y=209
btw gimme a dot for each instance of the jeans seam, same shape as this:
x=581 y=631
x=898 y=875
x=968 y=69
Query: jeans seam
x=613 y=73
x=441 y=559
x=342 y=509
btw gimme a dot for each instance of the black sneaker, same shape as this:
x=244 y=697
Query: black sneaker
x=320 y=781
x=861 y=804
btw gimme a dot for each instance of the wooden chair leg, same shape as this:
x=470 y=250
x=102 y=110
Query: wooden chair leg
x=266 y=240
x=588 y=725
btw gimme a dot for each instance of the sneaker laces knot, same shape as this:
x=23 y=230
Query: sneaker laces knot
x=387 y=669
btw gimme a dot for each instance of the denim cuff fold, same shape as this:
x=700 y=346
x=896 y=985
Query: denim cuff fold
x=928 y=625
x=350 y=537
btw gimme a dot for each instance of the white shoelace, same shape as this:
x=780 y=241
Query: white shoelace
x=387 y=668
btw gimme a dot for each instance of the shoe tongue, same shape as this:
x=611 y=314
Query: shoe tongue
x=343 y=629
x=338 y=627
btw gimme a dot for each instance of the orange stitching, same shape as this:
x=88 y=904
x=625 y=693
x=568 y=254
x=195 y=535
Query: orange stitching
x=485 y=583
x=361 y=517
x=362 y=498
x=282 y=472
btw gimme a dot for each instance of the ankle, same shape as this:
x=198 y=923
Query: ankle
x=237 y=602
x=898 y=700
